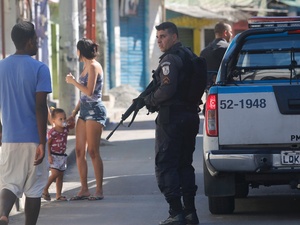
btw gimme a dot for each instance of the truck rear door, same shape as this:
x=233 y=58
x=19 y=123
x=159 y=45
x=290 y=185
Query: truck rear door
x=260 y=102
x=265 y=114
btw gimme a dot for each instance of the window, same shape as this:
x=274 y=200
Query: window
x=269 y=57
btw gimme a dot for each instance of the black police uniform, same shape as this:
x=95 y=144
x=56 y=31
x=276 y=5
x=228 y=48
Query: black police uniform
x=214 y=53
x=177 y=125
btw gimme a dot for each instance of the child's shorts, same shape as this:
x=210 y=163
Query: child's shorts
x=59 y=162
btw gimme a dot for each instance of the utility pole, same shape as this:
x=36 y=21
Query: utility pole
x=69 y=34
x=91 y=19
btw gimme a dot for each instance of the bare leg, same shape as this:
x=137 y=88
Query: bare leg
x=94 y=131
x=81 y=157
x=51 y=179
x=7 y=201
x=59 y=183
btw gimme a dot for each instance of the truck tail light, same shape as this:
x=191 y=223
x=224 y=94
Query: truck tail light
x=211 y=115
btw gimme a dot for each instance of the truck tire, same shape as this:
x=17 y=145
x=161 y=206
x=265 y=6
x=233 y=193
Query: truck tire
x=221 y=205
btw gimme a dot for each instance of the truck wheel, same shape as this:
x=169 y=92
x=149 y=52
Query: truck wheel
x=221 y=205
x=241 y=190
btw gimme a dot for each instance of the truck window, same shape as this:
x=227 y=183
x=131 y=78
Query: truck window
x=265 y=58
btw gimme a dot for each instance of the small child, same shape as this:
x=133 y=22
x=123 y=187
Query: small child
x=57 y=144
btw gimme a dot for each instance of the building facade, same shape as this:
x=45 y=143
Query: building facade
x=126 y=30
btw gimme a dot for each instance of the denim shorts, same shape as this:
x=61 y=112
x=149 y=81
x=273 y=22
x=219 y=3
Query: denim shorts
x=93 y=111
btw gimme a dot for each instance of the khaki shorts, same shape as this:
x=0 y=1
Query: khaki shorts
x=17 y=172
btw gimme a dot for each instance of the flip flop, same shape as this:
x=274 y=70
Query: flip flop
x=95 y=198
x=61 y=198
x=77 y=197
x=46 y=197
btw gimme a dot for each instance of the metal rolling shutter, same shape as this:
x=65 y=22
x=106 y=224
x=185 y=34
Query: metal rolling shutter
x=132 y=31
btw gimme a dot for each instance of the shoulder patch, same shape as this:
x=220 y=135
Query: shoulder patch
x=165 y=66
x=166 y=70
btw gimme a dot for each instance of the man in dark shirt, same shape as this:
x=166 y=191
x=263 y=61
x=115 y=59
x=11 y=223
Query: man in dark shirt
x=214 y=52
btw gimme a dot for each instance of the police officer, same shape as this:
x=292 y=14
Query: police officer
x=177 y=125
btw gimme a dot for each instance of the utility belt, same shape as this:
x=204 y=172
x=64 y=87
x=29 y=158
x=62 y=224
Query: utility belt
x=185 y=108
x=165 y=111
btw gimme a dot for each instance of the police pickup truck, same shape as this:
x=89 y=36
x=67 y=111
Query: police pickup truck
x=251 y=131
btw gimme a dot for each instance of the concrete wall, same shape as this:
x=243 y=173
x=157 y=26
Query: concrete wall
x=10 y=19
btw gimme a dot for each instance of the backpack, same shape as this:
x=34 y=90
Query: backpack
x=195 y=76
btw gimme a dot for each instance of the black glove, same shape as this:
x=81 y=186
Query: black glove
x=150 y=108
x=139 y=102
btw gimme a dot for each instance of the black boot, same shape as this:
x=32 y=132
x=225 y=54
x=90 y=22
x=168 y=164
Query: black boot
x=191 y=218
x=190 y=210
x=174 y=220
x=176 y=215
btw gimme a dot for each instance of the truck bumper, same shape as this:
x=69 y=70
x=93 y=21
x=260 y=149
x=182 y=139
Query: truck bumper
x=244 y=161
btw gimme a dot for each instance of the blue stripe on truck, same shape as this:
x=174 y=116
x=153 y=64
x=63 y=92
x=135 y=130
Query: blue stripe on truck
x=243 y=89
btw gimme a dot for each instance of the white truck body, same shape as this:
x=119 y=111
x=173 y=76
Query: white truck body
x=251 y=131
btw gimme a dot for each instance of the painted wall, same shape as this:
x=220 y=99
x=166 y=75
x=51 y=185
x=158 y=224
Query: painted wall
x=197 y=25
x=156 y=13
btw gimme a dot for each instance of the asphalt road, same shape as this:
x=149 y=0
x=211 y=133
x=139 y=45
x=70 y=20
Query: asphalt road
x=132 y=196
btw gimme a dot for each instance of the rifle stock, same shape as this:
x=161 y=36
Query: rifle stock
x=137 y=104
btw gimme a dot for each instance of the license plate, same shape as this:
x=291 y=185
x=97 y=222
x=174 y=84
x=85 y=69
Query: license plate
x=290 y=157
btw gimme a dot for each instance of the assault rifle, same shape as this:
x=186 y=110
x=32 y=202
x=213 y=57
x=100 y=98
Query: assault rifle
x=137 y=104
